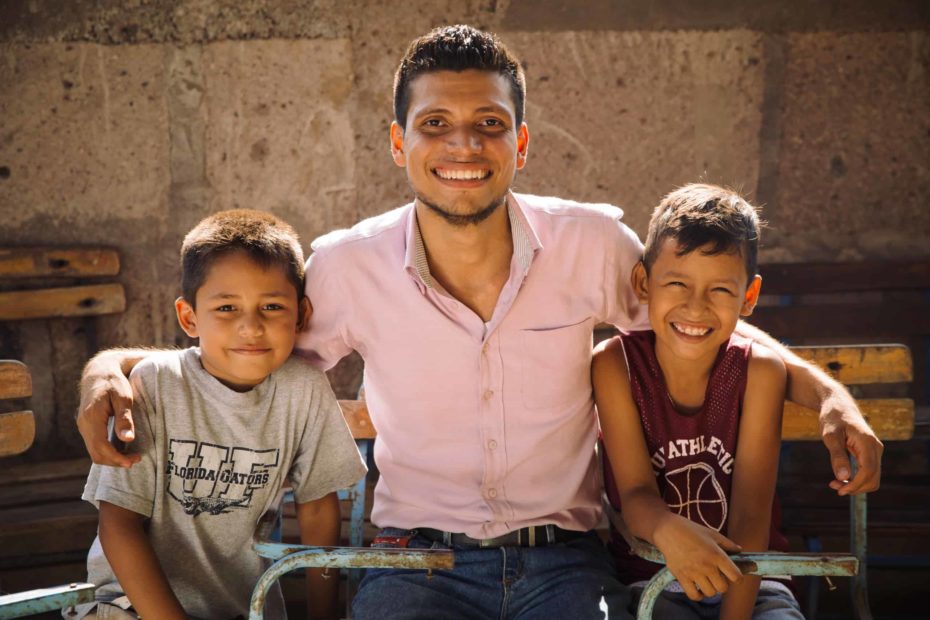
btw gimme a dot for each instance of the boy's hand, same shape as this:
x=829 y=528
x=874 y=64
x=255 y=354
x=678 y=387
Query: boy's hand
x=696 y=555
x=845 y=432
x=104 y=395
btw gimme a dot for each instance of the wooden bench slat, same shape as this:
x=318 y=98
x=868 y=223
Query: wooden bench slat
x=356 y=415
x=840 y=320
x=17 y=432
x=44 y=262
x=801 y=278
x=890 y=418
x=28 y=473
x=90 y=300
x=15 y=380
x=858 y=364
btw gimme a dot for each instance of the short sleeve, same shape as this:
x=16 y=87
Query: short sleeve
x=132 y=488
x=623 y=251
x=327 y=458
x=323 y=342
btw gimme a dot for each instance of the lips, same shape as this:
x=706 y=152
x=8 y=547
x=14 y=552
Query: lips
x=251 y=350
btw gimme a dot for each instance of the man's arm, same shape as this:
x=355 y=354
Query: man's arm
x=105 y=392
x=319 y=522
x=842 y=426
x=135 y=564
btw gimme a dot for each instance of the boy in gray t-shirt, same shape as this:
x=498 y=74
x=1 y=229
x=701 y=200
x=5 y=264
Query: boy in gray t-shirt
x=220 y=428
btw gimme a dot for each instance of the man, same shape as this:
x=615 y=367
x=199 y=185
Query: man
x=473 y=309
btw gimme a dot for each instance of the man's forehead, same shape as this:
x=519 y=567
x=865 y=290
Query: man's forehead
x=472 y=88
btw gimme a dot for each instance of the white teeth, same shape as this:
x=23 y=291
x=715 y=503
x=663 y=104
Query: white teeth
x=461 y=175
x=691 y=331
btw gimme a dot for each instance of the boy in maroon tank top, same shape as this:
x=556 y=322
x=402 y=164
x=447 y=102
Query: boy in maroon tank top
x=691 y=412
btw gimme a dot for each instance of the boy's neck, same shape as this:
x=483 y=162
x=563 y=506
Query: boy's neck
x=686 y=380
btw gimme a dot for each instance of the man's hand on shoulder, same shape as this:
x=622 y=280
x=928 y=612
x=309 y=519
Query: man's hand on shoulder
x=105 y=392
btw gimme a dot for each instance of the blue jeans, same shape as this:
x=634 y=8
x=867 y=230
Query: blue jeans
x=573 y=580
x=771 y=604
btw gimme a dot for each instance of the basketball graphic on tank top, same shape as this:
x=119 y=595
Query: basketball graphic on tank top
x=694 y=493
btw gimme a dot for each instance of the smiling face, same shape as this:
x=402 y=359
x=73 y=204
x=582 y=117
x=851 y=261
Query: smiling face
x=695 y=299
x=246 y=318
x=461 y=146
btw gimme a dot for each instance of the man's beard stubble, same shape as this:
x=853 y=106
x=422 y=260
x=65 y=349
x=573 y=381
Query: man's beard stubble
x=459 y=220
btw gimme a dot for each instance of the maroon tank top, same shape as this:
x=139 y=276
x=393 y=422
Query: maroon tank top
x=692 y=455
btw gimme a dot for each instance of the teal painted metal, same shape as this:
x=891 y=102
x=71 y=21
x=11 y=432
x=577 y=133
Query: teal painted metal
x=292 y=557
x=769 y=563
x=44 y=600
x=858 y=513
x=357 y=521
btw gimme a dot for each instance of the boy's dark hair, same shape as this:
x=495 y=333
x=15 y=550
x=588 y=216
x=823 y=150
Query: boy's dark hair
x=457 y=48
x=261 y=236
x=699 y=215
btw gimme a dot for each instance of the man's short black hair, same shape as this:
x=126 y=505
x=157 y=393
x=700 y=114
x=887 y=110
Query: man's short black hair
x=457 y=48
x=265 y=239
x=699 y=215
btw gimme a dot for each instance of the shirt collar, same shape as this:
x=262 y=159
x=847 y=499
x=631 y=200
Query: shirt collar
x=525 y=243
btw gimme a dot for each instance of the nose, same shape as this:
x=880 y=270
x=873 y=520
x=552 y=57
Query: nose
x=251 y=325
x=696 y=303
x=464 y=141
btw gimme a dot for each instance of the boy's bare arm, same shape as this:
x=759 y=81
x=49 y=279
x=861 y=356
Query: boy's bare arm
x=135 y=564
x=845 y=432
x=695 y=554
x=105 y=392
x=755 y=471
x=319 y=522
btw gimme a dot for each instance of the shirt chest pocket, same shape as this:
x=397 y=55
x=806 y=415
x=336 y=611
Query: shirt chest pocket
x=556 y=365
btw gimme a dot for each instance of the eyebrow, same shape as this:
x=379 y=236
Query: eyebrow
x=237 y=296
x=482 y=110
x=683 y=276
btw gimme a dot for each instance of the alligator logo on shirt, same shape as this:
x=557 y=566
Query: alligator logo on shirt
x=214 y=479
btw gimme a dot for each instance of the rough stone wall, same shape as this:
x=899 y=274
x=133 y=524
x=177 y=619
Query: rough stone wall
x=123 y=122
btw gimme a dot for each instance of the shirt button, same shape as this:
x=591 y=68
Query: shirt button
x=488 y=394
x=484 y=349
x=492 y=492
x=492 y=444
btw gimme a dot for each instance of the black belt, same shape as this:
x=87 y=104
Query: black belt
x=535 y=536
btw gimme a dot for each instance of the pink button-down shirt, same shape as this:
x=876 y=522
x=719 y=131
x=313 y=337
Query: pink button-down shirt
x=483 y=428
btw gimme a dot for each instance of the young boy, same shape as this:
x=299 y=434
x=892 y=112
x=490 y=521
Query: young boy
x=220 y=429
x=691 y=412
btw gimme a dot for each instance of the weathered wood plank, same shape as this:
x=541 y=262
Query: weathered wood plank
x=356 y=415
x=44 y=262
x=89 y=300
x=801 y=278
x=890 y=418
x=28 y=473
x=17 y=432
x=862 y=364
x=891 y=321
x=15 y=380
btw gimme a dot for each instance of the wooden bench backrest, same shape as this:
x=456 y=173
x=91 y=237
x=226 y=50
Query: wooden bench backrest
x=17 y=428
x=891 y=418
x=79 y=300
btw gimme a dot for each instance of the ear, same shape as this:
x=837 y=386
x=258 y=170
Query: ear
x=639 y=281
x=304 y=312
x=752 y=296
x=523 y=143
x=187 y=318
x=397 y=144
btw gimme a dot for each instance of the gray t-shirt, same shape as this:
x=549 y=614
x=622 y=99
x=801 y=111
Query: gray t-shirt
x=213 y=461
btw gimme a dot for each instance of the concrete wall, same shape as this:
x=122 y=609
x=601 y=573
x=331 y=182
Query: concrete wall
x=123 y=122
